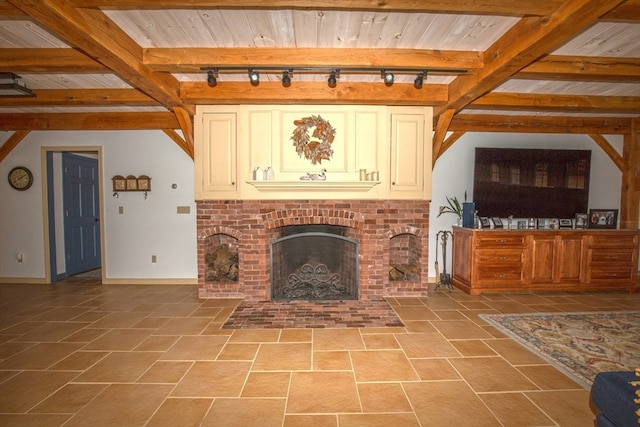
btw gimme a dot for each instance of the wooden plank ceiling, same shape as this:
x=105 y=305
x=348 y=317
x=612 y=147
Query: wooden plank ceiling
x=495 y=65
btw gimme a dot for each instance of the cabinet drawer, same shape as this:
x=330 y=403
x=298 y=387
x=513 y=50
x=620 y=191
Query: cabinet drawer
x=613 y=273
x=614 y=240
x=499 y=276
x=619 y=257
x=494 y=240
x=499 y=257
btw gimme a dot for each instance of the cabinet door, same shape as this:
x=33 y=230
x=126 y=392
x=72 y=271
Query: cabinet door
x=570 y=255
x=407 y=155
x=556 y=259
x=219 y=157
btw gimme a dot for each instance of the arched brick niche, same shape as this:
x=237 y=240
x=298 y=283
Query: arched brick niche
x=257 y=223
x=407 y=259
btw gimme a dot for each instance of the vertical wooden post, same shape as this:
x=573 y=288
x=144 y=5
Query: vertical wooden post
x=630 y=188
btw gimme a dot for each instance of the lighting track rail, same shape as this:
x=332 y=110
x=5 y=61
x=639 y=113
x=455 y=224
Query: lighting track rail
x=387 y=74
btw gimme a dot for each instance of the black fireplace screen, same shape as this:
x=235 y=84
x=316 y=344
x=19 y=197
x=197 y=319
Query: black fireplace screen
x=314 y=265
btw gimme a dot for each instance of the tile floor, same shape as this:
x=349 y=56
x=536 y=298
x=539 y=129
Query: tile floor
x=83 y=354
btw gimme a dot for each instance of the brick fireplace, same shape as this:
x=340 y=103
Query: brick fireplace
x=388 y=232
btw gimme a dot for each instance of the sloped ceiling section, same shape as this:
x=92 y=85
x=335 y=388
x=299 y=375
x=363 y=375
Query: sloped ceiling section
x=517 y=65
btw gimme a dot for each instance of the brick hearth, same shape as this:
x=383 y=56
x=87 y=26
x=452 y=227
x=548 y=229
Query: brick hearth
x=387 y=231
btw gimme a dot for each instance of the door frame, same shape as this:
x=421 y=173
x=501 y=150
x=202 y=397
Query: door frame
x=49 y=199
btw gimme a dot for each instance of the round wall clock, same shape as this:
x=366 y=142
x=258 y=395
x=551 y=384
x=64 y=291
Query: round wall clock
x=20 y=178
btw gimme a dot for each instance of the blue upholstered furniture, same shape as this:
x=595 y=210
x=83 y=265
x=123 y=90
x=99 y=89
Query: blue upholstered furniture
x=612 y=399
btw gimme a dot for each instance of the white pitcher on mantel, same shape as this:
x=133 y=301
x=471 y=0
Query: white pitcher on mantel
x=269 y=175
x=258 y=175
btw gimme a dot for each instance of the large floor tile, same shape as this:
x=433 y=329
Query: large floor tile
x=129 y=405
x=246 y=412
x=213 y=379
x=323 y=392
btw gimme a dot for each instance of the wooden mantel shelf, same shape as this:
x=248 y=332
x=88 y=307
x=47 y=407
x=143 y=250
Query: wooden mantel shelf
x=313 y=185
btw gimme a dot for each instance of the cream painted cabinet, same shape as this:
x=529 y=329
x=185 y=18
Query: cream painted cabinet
x=408 y=172
x=216 y=154
x=392 y=144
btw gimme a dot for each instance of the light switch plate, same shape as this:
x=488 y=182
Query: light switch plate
x=184 y=209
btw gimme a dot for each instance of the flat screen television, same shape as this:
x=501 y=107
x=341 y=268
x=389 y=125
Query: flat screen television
x=531 y=183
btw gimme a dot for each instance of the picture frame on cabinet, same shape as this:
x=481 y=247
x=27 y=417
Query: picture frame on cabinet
x=553 y=223
x=541 y=223
x=566 y=223
x=522 y=224
x=484 y=222
x=603 y=218
x=497 y=222
x=581 y=220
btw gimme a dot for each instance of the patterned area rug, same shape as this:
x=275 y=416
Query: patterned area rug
x=312 y=314
x=579 y=344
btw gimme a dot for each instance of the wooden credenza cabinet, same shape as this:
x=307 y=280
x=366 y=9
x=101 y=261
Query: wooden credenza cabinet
x=544 y=260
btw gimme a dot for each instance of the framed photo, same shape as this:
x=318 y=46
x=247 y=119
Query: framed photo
x=497 y=222
x=553 y=223
x=522 y=224
x=566 y=223
x=541 y=223
x=581 y=220
x=603 y=218
x=484 y=222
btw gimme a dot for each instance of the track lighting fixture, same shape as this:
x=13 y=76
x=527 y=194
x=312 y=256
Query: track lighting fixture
x=254 y=77
x=387 y=76
x=286 y=73
x=286 y=78
x=211 y=78
x=332 y=78
x=417 y=83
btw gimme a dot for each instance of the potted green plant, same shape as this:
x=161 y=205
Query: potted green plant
x=453 y=206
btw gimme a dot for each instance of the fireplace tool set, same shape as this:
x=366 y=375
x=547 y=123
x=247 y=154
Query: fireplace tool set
x=444 y=278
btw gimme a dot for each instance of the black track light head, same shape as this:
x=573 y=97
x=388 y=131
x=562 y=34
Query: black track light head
x=254 y=77
x=332 y=81
x=388 y=77
x=417 y=83
x=286 y=78
x=211 y=78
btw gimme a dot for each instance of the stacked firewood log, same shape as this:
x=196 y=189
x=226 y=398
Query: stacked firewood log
x=403 y=272
x=222 y=265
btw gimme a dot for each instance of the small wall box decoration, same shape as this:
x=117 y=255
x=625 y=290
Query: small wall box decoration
x=20 y=178
x=131 y=183
x=603 y=218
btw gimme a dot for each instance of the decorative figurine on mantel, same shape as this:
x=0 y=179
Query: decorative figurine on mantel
x=315 y=176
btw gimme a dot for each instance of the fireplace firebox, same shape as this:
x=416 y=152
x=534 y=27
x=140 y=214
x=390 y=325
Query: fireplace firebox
x=314 y=262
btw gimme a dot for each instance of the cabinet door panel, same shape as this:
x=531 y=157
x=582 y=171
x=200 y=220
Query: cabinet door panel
x=219 y=152
x=542 y=259
x=407 y=154
x=569 y=259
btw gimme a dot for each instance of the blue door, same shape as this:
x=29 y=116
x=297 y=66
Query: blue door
x=81 y=213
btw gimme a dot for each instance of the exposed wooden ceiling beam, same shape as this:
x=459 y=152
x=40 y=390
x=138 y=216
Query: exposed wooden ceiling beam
x=547 y=102
x=68 y=60
x=93 y=32
x=539 y=124
x=88 y=121
x=313 y=92
x=75 y=97
x=583 y=68
x=49 y=60
x=522 y=44
x=628 y=11
x=495 y=7
x=192 y=59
